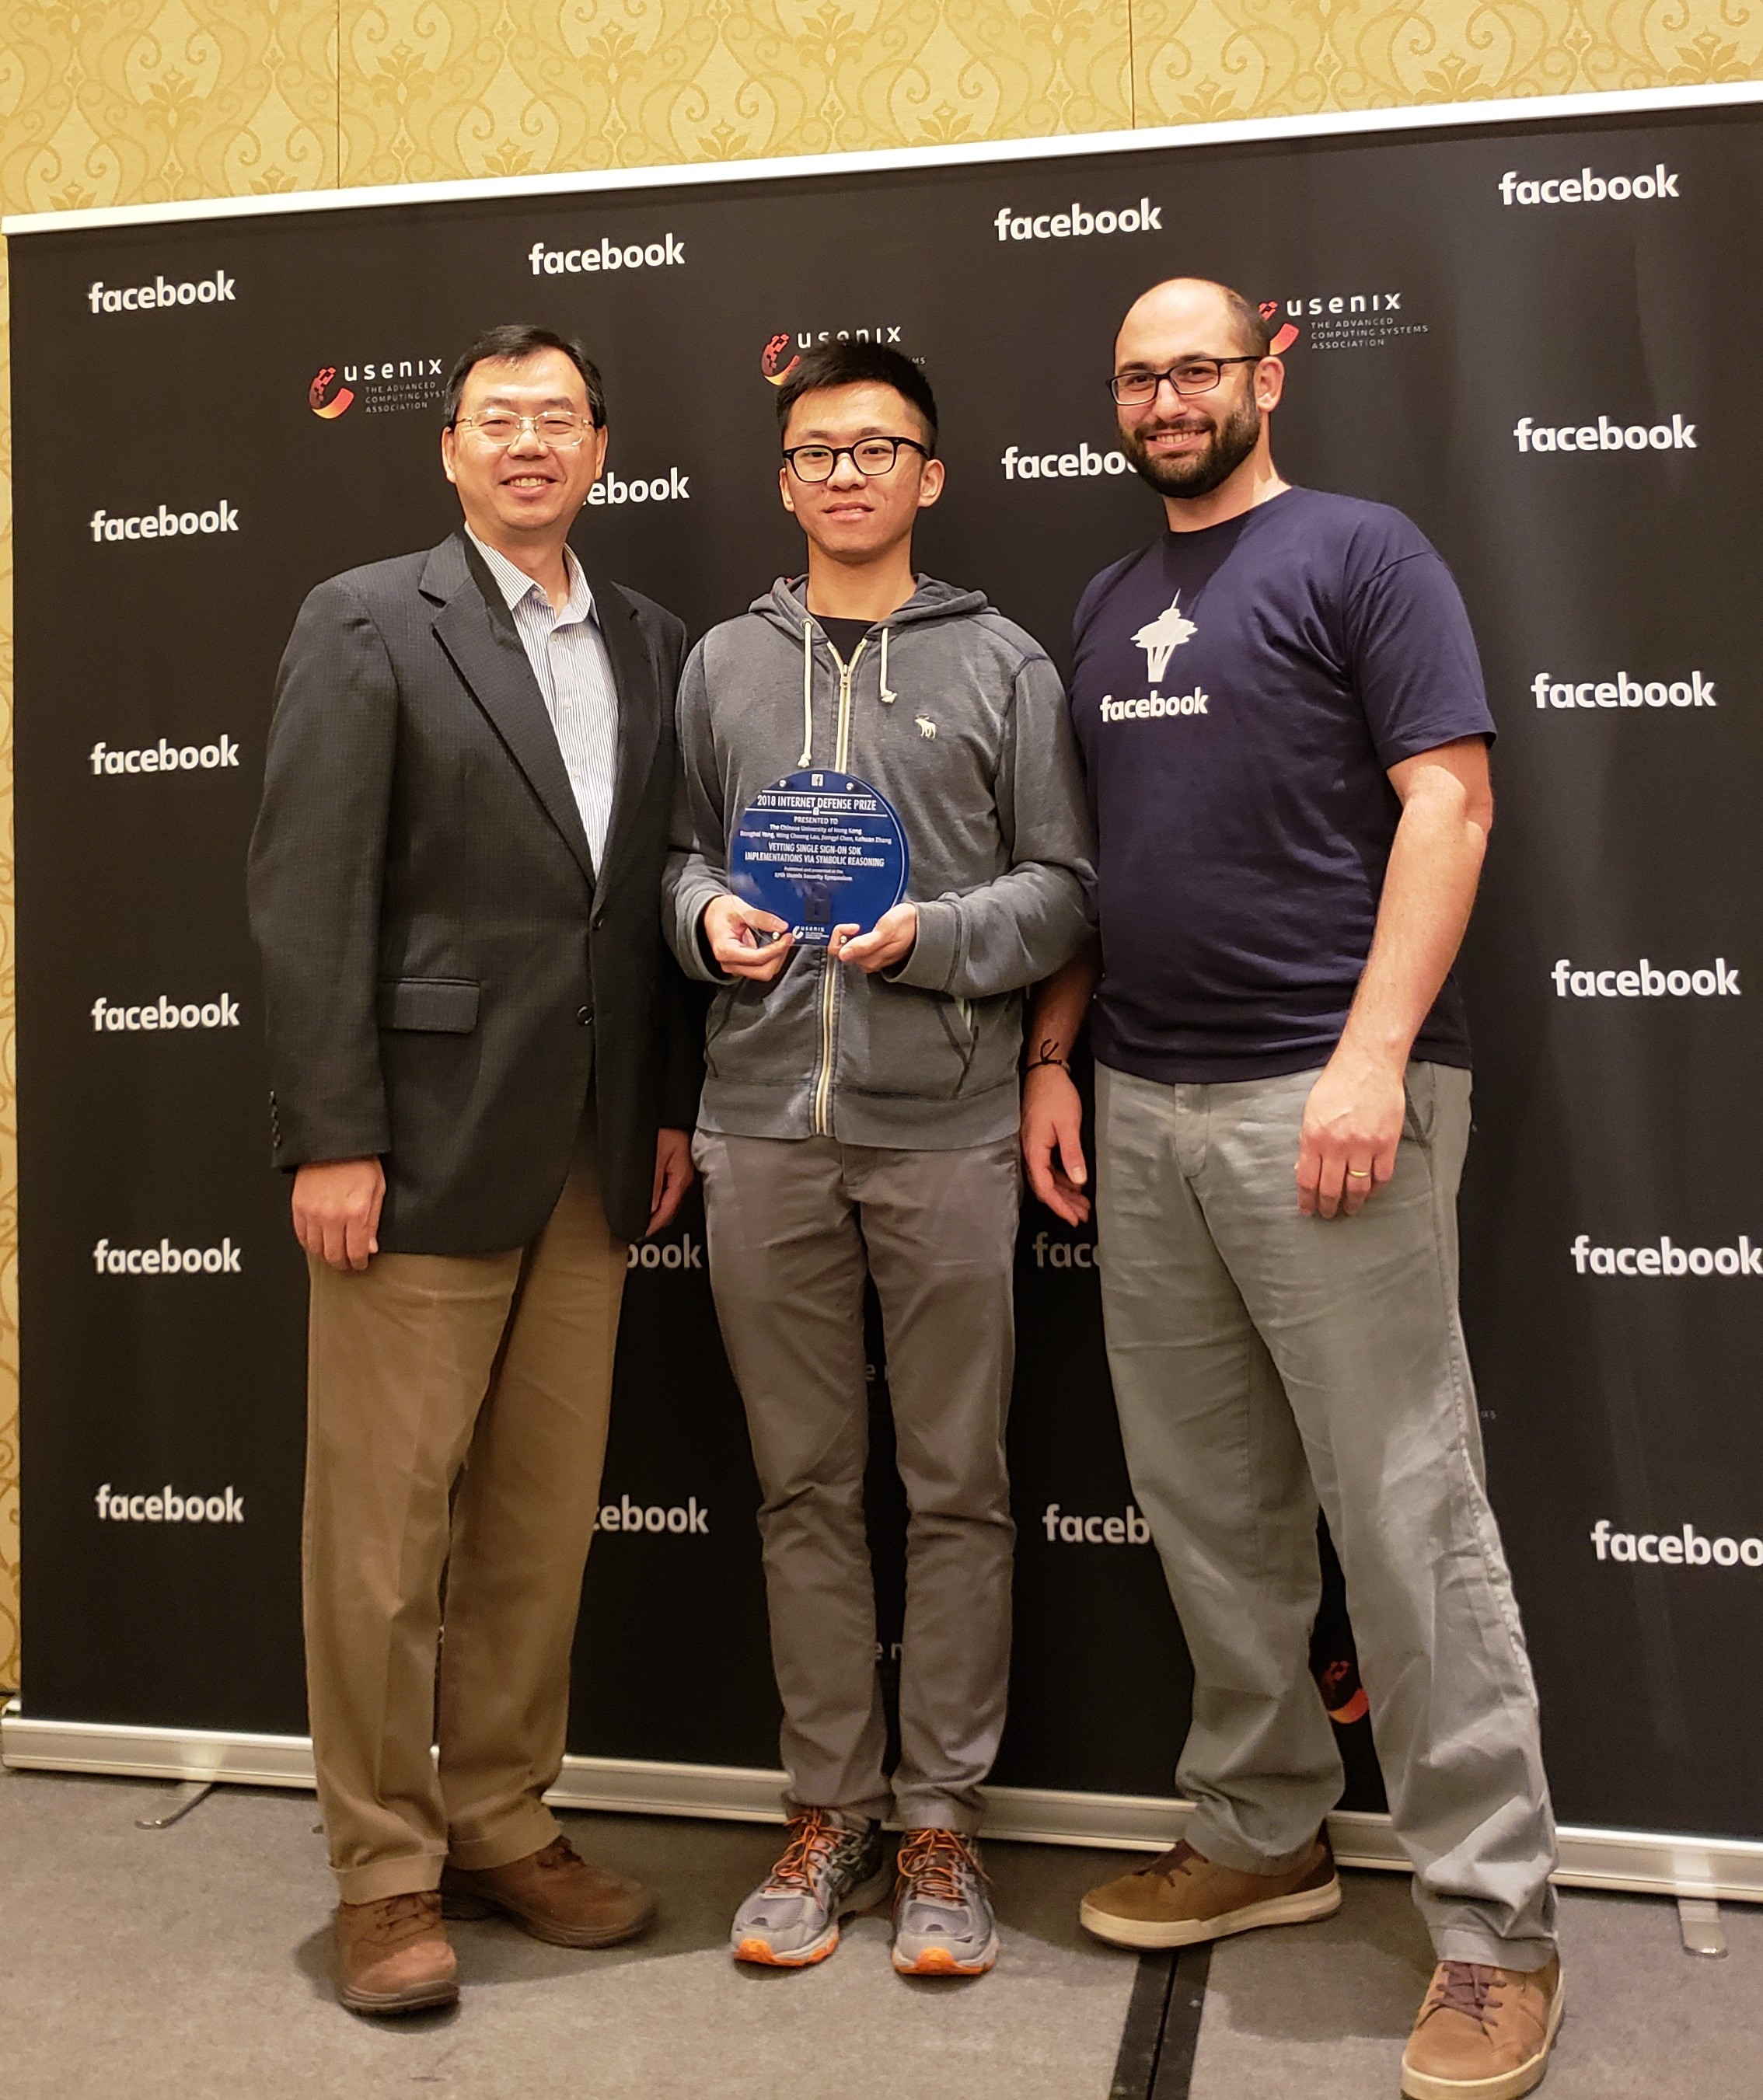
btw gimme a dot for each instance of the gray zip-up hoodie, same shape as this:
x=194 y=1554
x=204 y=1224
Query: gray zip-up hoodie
x=958 y=717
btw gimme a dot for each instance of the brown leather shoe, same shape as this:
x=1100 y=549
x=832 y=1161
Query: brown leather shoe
x=392 y=1955
x=554 y=1895
x=1483 y=2033
x=1182 y=1898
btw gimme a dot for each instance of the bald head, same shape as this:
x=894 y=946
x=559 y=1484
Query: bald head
x=1207 y=319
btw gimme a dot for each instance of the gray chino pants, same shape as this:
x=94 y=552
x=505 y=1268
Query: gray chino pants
x=1262 y=1360
x=792 y=1226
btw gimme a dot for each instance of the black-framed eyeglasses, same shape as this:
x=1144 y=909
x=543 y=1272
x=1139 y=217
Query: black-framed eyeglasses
x=1193 y=375
x=870 y=456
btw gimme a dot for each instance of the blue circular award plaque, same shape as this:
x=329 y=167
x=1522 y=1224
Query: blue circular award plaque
x=820 y=850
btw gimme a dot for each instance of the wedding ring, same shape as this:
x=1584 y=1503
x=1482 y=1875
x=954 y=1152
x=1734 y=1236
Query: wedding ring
x=1358 y=1174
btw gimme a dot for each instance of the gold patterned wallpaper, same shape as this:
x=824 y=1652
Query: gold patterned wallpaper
x=135 y=101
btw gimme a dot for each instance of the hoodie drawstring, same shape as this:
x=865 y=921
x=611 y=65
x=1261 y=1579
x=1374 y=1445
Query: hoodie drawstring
x=807 y=694
x=888 y=698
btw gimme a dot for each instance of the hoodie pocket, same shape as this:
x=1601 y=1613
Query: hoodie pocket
x=896 y=1039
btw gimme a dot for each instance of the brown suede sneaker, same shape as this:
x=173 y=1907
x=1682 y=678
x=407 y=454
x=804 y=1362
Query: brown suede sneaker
x=1182 y=1898
x=1483 y=2033
x=555 y=1896
x=392 y=1955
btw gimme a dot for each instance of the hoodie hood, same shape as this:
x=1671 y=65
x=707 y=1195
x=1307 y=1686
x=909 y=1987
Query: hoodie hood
x=785 y=605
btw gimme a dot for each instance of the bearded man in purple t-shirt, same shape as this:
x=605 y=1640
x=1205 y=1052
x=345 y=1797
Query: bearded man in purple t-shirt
x=1281 y=710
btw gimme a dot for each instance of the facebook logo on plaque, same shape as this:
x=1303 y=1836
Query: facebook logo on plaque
x=820 y=850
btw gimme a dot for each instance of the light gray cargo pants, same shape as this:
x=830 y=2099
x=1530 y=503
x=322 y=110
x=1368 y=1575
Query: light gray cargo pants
x=792 y=1226
x=1262 y=1359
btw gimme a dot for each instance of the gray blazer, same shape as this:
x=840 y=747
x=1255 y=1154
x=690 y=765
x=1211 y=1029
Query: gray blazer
x=446 y=972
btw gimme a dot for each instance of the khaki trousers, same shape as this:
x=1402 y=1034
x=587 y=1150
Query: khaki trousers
x=456 y=1422
x=1262 y=1362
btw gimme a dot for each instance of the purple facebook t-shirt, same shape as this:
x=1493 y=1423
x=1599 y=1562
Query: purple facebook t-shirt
x=1239 y=695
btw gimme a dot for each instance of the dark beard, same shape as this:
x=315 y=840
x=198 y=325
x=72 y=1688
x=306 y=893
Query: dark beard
x=1200 y=473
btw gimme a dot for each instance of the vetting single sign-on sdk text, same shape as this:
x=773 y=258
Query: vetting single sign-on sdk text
x=1130 y=1528
x=1587 y=188
x=167 y=524
x=1687 y=1548
x=165 y=1260
x=142 y=298
x=606 y=254
x=169 y=1506
x=1667 y=1259
x=1077 y=223
x=690 y=1516
x=1644 y=981
x=1623 y=691
x=163 y=1013
x=1605 y=436
x=167 y=757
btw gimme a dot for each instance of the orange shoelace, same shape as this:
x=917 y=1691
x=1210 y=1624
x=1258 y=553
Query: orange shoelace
x=806 y=1854
x=933 y=1861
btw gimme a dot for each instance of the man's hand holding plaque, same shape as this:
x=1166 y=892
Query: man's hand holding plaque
x=745 y=942
x=886 y=945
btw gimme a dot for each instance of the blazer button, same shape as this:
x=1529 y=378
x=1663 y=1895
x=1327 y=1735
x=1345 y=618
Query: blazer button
x=585 y=1015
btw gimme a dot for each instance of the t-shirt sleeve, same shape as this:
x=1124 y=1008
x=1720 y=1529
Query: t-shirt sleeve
x=1413 y=658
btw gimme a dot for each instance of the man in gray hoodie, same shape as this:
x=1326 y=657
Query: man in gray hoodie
x=857 y=1119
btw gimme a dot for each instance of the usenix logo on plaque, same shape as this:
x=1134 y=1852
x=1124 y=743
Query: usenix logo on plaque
x=783 y=351
x=383 y=385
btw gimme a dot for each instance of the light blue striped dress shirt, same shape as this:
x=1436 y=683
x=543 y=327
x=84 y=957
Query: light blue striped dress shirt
x=568 y=653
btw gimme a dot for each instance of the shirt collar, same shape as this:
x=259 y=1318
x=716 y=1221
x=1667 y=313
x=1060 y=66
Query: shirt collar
x=514 y=584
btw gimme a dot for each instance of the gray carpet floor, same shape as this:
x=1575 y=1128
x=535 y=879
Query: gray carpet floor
x=193 y=1962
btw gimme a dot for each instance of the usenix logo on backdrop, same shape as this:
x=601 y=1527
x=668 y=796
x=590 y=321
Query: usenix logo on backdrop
x=1077 y=223
x=142 y=298
x=1605 y=436
x=783 y=351
x=169 y=1506
x=383 y=385
x=1644 y=981
x=1687 y=1548
x=1342 y=320
x=163 y=524
x=1623 y=691
x=1667 y=1259
x=1586 y=187
x=608 y=254
x=1130 y=1528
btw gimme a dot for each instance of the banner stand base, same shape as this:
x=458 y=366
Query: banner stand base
x=1634 y=1862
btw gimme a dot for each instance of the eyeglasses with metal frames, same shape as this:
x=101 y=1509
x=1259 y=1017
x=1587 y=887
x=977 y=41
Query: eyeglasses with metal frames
x=501 y=427
x=870 y=457
x=1192 y=375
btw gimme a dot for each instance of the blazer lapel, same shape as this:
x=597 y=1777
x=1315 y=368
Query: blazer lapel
x=640 y=701
x=475 y=628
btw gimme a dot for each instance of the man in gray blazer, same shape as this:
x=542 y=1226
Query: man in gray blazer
x=483 y=1068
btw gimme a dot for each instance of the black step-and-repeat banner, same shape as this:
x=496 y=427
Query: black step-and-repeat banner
x=1535 y=339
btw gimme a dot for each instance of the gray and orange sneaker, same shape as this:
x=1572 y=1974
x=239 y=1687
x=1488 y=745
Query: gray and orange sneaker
x=832 y=1867
x=943 y=1920
x=1182 y=1898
